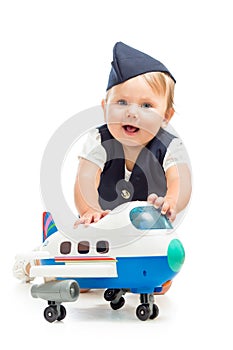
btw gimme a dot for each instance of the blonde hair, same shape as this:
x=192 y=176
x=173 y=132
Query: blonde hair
x=163 y=84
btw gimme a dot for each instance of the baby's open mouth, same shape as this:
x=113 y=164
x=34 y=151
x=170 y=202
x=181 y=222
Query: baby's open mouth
x=130 y=128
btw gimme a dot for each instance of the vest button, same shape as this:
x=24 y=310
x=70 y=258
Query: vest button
x=125 y=194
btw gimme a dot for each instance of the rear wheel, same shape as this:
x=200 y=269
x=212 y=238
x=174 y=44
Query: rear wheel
x=155 y=312
x=110 y=294
x=118 y=305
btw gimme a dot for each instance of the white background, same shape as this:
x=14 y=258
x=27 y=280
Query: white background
x=55 y=60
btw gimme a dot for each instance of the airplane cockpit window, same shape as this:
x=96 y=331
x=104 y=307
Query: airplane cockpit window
x=102 y=247
x=83 y=247
x=65 y=247
x=148 y=217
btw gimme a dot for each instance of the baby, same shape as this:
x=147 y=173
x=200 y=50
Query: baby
x=132 y=156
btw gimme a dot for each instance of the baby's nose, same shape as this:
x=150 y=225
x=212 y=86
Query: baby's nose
x=132 y=110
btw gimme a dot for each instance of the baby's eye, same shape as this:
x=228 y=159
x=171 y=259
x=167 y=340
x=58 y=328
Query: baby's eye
x=122 y=102
x=146 y=105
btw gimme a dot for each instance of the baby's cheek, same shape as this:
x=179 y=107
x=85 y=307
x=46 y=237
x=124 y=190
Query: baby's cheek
x=151 y=127
x=146 y=136
x=114 y=129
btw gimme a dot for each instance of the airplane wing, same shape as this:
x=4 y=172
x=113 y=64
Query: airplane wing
x=90 y=267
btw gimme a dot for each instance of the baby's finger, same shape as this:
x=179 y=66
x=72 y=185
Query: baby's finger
x=96 y=217
x=78 y=222
x=104 y=213
x=152 y=198
x=88 y=219
x=165 y=208
x=159 y=202
x=171 y=215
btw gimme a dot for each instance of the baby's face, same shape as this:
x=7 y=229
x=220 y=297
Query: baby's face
x=133 y=112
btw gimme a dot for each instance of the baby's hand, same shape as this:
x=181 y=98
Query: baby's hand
x=90 y=216
x=166 y=204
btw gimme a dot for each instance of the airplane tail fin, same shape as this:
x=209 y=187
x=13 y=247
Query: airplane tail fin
x=49 y=226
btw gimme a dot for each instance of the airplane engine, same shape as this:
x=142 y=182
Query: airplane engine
x=56 y=291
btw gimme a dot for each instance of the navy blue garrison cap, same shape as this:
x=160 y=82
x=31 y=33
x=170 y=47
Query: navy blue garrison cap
x=128 y=63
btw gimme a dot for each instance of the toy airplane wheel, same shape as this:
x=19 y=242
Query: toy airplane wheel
x=110 y=294
x=155 y=312
x=51 y=314
x=118 y=305
x=62 y=313
x=143 y=312
x=54 y=313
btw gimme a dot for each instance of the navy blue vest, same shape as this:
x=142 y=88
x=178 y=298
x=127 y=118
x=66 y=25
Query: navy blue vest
x=147 y=176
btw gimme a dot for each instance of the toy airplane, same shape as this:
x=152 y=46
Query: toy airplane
x=132 y=249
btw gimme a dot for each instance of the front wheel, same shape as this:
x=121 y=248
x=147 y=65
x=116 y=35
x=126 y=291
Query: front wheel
x=155 y=312
x=143 y=312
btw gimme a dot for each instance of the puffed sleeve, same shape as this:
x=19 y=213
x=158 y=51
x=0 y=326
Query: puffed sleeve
x=92 y=149
x=176 y=154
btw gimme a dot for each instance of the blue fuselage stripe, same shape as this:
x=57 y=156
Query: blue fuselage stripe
x=139 y=274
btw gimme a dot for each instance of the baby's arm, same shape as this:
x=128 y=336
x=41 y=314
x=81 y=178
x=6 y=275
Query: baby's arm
x=86 y=193
x=178 y=191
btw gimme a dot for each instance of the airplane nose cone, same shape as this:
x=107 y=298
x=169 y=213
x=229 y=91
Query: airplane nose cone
x=175 y=255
